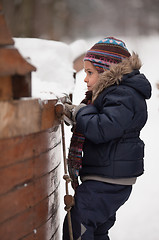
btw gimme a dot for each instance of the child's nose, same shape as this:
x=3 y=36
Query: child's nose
x=86 y=79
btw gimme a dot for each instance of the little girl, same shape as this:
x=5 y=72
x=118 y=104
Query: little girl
x=106 y=150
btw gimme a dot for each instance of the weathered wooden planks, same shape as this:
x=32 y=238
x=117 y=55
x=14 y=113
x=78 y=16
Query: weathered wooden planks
x=30 y=174
x=29 y=193
x=21 y=148
x=29 y=221
x=48 y=230
x=24 y=171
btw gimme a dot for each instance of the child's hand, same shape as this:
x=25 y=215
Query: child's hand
x=68 y=116
x=68 y=108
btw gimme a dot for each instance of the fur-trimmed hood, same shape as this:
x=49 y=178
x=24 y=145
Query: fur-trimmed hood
x=116 y=73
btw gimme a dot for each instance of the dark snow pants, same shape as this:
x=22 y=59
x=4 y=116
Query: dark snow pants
x=95 y=209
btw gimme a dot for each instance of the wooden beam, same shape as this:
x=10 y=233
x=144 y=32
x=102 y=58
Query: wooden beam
x=26 y=116
x=18 y=149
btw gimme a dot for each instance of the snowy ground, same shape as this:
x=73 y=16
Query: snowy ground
x=138 y=219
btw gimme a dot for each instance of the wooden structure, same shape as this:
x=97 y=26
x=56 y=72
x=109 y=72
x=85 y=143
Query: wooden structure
x=78 y=63
x=30 y=151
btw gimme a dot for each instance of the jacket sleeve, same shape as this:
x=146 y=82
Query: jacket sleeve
x=109 y=121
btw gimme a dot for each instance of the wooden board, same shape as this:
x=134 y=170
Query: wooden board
x=18 y=118
x=18 y=149
x=27 y=222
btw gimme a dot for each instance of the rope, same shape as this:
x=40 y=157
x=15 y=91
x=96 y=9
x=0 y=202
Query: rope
x=68 y=199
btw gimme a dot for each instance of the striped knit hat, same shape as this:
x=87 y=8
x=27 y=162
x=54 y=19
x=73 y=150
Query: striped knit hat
x=105 y=52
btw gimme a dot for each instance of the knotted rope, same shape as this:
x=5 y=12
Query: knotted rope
x=68 y=199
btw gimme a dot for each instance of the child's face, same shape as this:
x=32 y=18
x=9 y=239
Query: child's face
x=92 y=76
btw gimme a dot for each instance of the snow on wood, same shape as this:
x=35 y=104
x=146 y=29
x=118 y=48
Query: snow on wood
x=54 y=63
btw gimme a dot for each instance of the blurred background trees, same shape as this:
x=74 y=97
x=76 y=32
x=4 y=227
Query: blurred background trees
x=70 y=19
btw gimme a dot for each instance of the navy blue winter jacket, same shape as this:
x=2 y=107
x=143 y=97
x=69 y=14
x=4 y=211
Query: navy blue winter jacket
x=112 y=124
